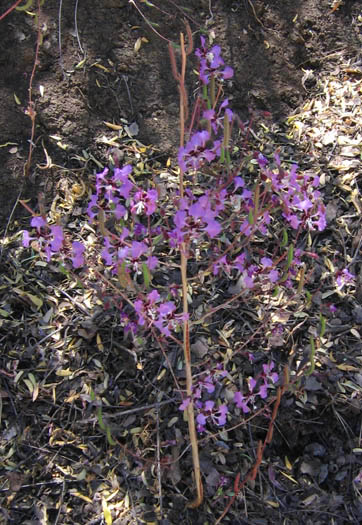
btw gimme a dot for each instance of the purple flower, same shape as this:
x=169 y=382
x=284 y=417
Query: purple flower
x=222 y=413
x=266 y=262
x=273 y=276
x=201 y=420
x=241 y=402
x=78 y=250
x=239 y=262
x=267 y=375
x=293 y=220
x=263 y=390
x=304 y=205
x=27 y=239
x=213 y=228
x=162 y=316
x=138 y=249
x=248 y=281
x=208 y=410
x=262 y=161
x=239 y=182
x=222 y=263
x=209 y=405
x=128 y=325
x=38 y=222
x=58 y=238
x=166 y=308
x=344 y=277
x=180 y=219
x=153 y=297
x=206 y=383
x=122 y=174
x=216 y=119
x=106 y=254
x=196 y=152
x=245 y=228
x=185 y=403
x=144 y=201
x=152 y=262
x=120 y=211
x=227 y=73
x=251 y=384
x=211 y=63
x=92 y=209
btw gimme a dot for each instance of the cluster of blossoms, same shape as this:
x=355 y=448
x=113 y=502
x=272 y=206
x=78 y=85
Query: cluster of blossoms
x=116 y=195
x=212 y=64
x=262 y=272
x=296 y=195
x=152 y=312
x=113 y=189
x=265 y=380
x=50 y=240
x=196 y=216
x=197 y=151
x=209 y=411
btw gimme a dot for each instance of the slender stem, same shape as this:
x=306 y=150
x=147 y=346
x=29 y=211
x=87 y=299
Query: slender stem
x=10 y=9
x=180 y=77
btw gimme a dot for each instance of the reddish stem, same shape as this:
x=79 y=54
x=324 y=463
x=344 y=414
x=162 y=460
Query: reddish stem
x=10 y=9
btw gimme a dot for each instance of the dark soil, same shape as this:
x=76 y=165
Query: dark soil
x=270 y=45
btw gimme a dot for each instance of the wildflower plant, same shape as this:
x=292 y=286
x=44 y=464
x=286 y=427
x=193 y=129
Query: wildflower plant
x=221 y=217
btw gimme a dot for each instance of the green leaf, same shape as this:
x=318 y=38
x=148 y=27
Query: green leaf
x=323 y=326
x=290 y=255
x=251 y=217
x=146 y=275
x=30 y=385
x=100 y=418
x=309 y=298
x=222 y=154
x=109 y=437
x=25 y=7
x=32 y=378
x=284 y=238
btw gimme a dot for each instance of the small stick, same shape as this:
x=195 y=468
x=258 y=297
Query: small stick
x=30 y=109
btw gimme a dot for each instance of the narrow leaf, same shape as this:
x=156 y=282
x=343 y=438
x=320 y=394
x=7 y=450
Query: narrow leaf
x=109 y=437
x=284 y=238
x=146 y=275
x=290 y=255
x=100 y=418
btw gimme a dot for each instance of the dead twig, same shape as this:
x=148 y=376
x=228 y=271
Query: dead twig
x=31 y=105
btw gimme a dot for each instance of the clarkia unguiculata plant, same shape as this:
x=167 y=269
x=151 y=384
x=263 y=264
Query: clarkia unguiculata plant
x=230 y=223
